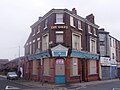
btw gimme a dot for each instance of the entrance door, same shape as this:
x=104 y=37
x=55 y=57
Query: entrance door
x=59 y=71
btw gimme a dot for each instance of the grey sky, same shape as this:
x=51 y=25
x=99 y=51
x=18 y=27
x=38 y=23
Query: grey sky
x=16 y=17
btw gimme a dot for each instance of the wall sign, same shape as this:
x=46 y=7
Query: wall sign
x=59 y=27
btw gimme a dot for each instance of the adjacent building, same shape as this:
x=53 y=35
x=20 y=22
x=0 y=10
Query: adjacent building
x=108 y=59
x=62 y=47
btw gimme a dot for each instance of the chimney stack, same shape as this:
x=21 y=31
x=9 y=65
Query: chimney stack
x=74 y=11
x=90 y=18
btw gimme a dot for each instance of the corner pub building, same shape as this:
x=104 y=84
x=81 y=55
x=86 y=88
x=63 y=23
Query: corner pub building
x=62 y=48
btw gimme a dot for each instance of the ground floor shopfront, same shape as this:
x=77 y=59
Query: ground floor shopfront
x=62 y=70
x=108 y=70
x=59 y=67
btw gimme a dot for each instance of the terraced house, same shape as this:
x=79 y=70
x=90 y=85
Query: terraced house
x=62 y=48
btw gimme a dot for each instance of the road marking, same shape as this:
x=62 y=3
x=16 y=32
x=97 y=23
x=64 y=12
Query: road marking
x=116 y=89
x=11 y=87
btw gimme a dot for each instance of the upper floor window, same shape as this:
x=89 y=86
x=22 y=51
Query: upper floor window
x=45 y=42
x=72 y=21
x=79 y=25
x=38 y=42
x=93 y=46
x=38 y=29
x=46 y=22
x=102 y=37
x=59 y=19
x=59 y=36
x=76 y=41
x=33 y=32
x=89 y=29
x=94 y=30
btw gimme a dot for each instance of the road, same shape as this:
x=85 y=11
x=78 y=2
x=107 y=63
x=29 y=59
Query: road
x=103 y=86
x=11 y=85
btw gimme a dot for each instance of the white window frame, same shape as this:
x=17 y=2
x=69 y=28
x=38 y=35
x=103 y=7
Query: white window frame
x=59 y=18
x=72 y=21
x=30 y=48
x=38 y=29
x=33 y=32
x=45 y=44
x=78 y=42
x=79 y=25
x=89 y=29
x=46 y=22
x=95 y=33
x=59 y=33
x=93 y=47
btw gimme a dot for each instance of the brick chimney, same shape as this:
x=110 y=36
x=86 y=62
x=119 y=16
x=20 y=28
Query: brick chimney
x=74 y=11
x=90 y=18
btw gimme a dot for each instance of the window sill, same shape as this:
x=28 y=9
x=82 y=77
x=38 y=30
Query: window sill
x=33 y=35
x=80 y=29
x=46 y=75
x=95 y=35
x=74 y=75
x=60 y=23
x=92 y=74
x=45 y=28
x=89 y=32
x=38 y=32
x=73 y=26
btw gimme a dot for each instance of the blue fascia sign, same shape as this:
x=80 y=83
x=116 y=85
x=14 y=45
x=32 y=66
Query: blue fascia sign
x=84 y=55
x=39 y=56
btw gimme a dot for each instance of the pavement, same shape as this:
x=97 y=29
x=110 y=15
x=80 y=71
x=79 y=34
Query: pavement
x=38 y=84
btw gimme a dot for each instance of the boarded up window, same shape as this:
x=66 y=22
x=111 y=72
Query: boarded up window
x=46 y=67
x=92 y=67
x=74 y=66
x=35 y=67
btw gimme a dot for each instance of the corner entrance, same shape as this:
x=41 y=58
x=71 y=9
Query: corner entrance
x=60 y=71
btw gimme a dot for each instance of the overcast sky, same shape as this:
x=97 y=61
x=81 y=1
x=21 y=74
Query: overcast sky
x=16 y=17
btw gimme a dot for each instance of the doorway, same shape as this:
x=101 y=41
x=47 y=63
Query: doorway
x=59 y=71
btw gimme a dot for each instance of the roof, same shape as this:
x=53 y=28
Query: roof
x=3 y=61
x=63 y=11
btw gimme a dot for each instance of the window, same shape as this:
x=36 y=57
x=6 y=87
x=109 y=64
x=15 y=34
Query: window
x=33 y=48
x=102 y=43
x=59 y=36
x=89 y=29
x=72 y=21
x=38 y=29
x=38 y=42
x=35 y=67
x=30 y=48
x=102 y=51
x=46 y=67
x=45 y=42
x=95 y=33
x=27 y=50
x=76 y=42
x=74 y=66
x=33 y=32
x=46 y=22
x=59 y=19
x=102 y=37
x=92 y=67
x=113 y=57
x=93 y=46
x=79 y=25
